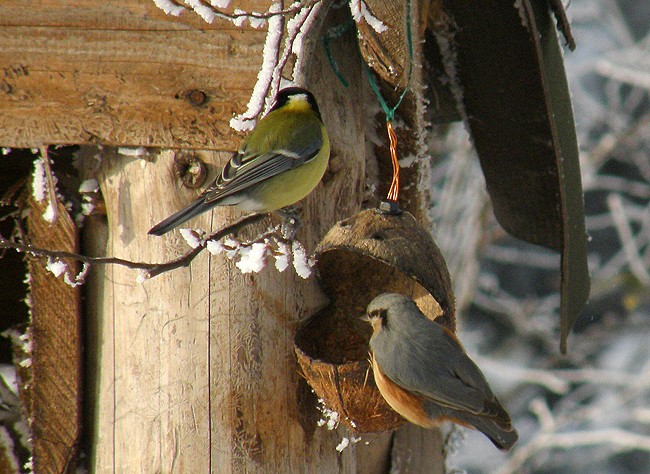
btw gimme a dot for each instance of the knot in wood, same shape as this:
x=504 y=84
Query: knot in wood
x=189 y=169
x=196 y=97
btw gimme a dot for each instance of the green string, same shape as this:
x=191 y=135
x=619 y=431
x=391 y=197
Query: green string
x=337 y=32
x=332 y=34
x=390 y=113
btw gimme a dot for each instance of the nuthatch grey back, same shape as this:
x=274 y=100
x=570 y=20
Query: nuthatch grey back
x=425 y=375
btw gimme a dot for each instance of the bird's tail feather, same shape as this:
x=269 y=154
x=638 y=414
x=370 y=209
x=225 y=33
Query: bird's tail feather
x=502 y=437
x=197 y=207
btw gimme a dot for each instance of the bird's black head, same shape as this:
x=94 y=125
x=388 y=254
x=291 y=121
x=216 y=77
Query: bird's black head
x=377 y=317
x=295 y=96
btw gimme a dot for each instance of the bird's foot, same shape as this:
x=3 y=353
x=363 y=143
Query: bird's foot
x=291 y=220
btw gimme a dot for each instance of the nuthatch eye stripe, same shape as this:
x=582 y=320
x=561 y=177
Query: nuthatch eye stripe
x=425 y=375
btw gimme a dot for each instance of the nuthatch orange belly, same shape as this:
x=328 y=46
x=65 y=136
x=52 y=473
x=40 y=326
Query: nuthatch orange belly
x=423 y=372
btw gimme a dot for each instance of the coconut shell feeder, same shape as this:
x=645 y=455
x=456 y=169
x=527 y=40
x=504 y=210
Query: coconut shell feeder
x=361 y=257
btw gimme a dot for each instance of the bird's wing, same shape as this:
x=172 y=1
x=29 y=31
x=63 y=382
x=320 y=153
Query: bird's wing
x=444 y=374
x=247 y=168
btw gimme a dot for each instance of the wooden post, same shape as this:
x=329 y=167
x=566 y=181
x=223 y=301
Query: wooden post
x=196 y=367
x=194 y=370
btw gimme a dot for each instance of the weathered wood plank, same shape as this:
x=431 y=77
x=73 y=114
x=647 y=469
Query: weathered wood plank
x=121 y=74
x=53 y=395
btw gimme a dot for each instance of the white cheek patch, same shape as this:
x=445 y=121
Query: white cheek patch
x=298 y=98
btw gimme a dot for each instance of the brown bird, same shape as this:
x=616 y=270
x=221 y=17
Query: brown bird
x=423 y=372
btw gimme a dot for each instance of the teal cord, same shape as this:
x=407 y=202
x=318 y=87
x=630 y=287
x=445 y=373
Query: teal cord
x=390 y=113
x=391 y=204
x=332 y=34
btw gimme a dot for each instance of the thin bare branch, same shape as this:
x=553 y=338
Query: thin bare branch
x=151 y=269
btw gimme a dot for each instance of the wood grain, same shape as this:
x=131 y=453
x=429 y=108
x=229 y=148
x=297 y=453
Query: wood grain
x=196 y=371
x=53 y=393
x=120 y=73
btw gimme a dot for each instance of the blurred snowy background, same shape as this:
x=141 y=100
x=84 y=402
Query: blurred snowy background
x=588 y=412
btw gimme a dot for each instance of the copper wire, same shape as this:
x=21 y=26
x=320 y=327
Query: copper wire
x=393 y=192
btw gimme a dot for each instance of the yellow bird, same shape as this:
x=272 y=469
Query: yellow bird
x=280 y=162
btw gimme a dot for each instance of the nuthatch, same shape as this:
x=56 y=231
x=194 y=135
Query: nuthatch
x=423 y=372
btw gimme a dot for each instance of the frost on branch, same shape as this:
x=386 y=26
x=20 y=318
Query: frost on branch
x=194 y=238
x=302 y=263
x=253 y=256
x=58 y=268
x=39 y=187
x=169 y=7
x=360 y=12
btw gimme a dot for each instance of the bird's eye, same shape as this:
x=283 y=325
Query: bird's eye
x=380 y=313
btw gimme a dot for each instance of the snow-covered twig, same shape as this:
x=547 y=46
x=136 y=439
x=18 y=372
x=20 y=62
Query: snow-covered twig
x=151 y=269
x=210 y=12
x=274 y=61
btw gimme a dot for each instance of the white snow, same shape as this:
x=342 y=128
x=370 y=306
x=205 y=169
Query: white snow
x=79 y=279
x=89 y=186
x=29 y=465
x=169 y=7
x=38 y=180
x=343 y=444
x=231 y=247
x=252 y=258
x=256 y=22
x=360 y=12
x=298 y=29
x=330 y=417
x=215 y=247
x=202 y=10
x=301 y=262
x=143 y=276
x=56 y=267
x=50 y=213
x=240 y=20
x=282 y=257
x=246 y=121
x=193 y=237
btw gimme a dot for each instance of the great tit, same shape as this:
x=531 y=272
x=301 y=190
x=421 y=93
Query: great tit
x=280 y=162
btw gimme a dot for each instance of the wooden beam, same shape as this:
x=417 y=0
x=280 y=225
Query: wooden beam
x=121 y=73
